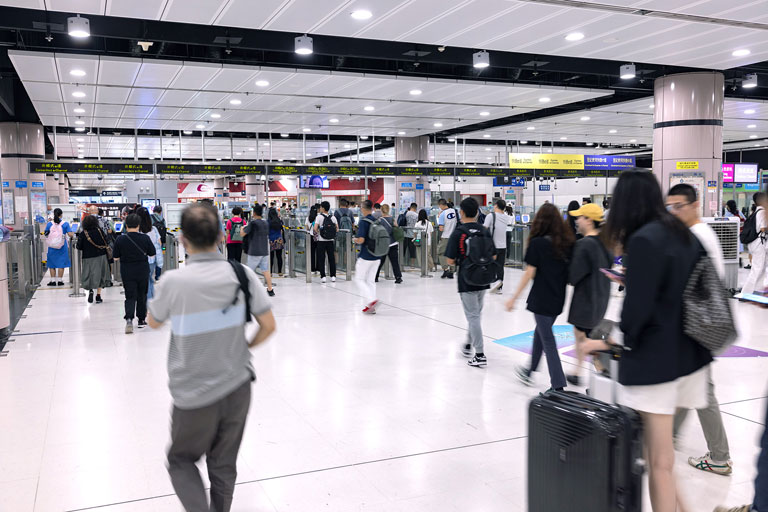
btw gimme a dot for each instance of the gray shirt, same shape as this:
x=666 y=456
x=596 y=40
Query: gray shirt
x=258 y=237
x=208 y=357
x=411 y=218
x=499 y=228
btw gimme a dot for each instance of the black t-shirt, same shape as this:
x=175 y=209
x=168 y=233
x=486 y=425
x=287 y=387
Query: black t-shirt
x=547 y=295
x=133 y=249
x=457 y=250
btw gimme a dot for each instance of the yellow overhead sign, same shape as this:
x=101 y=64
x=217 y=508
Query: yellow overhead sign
x=687 y=165
x=545 y=161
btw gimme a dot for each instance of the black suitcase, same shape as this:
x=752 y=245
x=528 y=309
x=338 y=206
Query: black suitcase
x=583 y=455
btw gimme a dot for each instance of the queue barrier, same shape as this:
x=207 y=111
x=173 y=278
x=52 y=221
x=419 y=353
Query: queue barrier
x=517 y=243
x=299 y=253
x=171 y=259
x=75 y=270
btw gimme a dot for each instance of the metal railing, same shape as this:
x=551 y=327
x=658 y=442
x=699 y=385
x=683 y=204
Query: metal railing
x=517 y=243
x=299 y=253
x=344 y=253
x=75 y=270
x=171 y=259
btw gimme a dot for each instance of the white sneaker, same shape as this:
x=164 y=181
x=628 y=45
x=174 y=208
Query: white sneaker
x=496 y=288
x=333 y=279
x=706 y=463
x=322 y=280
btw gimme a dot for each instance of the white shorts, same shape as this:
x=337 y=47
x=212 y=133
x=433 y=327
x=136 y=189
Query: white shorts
x=257 y=263
x=689 y=392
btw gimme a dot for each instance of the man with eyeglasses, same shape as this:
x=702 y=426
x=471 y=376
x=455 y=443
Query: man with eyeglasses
x=683 y=203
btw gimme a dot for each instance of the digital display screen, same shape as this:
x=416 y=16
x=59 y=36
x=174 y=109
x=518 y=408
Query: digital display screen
x=727 y=173
x=745 y=173
x=314 y=182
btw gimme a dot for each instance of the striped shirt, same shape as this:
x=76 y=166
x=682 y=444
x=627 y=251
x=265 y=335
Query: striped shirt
x=208 y=357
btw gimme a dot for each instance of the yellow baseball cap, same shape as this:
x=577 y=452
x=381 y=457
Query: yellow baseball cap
x=589 y=210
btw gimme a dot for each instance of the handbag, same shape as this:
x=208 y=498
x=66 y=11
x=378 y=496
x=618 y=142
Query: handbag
x=707 y=316
x=106 y=246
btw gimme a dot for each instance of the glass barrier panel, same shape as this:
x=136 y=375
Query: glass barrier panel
x=300 y=250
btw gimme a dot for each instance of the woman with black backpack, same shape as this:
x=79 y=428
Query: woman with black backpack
x=309 y=224
x=388 y=222
x=549 y=250
x=276 y=240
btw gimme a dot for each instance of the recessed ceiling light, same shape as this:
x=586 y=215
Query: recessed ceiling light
x=549 y=151
x=741 y=53
x=563 y=138
x=438 y=125
x=544 y=99
x=303 y=45
x=79 y=139
x=79 y=110
x=218 y=159
x=187 y=132
x=753 y=136
x=523 y=142
x=284 y=135
x=613 y=131
x=80 y=145
x=487 y=136
x=306 y=130
x=627 y=71
x=80 y=156
x=253 y=149
x=78 y=94
x=585 y=118
x=750 y=81
x=263 y=144
x=415 y=92
x=80 y=122
x=262 y=83
x=751 y=126
x=238 y=153
x=200 y=126
x=749 y=111
x=334 y=120
x=347 y=146
x=309 y=154
x=362 y=14
x=651 y=106
x=363 y=137
x=531 y=128
x=633 y=140
x=487 y=149
x=574 y=36
x=325 y=151
x=401 y=133
x=485 y=114
x=369 y=108
x=451 y=140
x=215 y=115
x=590 y=143
x=151 y=158
x=77 y=72
x=79 y=129
x=235 y=101
x=78 y=27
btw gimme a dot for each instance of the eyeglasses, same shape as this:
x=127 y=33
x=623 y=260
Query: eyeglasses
x=676 y=206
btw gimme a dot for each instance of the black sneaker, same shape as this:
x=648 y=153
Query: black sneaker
x=90 y=296
x=478 y=362
x=450 y=275
x=51 y=283
x=141 y=324
x=748 y=267
x=445 y=274
x=399 y=280
x=466 y=350
x=61 y=283
x=573 y=379
x=98 y=299
x=271 y=293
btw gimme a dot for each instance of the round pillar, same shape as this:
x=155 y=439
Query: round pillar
x=219 y=186
x=19 y=142
x=254 y=190
x=688 y=134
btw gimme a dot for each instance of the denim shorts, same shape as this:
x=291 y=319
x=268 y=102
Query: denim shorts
x=257 y=263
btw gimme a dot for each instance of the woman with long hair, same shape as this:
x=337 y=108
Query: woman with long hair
x=276 y=240
x=313 y=240
x=664 y=369
x=424 y=236
x=146 y=226
x=93 y=242
x=574 y=205
x=56 y=234
x=549 y=249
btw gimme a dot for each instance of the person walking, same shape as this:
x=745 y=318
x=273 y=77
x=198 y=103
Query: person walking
x=156 y=260
x=257 y=246
x=424 y=230
x=56 y=234
x=235 y=234
x=133 y=250
x=209 y=302
x=732 y=210
x=683 y=203
x=389 y=223
x=591 y=289
x=92 y=241
x=159 y=223
x=549 y=249
x=344 y=216
x=664 y=368
x=308 y=224
x=757 y=247
x=411 y=217
x=464 y=239
x=325 y=224
x=276 y=241
x=497 y=223
x=446 y=223
x=367 y=263
x=572 y=206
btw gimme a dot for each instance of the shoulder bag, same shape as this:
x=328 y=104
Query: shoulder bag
x=106 y=246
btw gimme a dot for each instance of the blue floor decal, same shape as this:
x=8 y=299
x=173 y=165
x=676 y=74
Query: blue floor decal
x=524 y=341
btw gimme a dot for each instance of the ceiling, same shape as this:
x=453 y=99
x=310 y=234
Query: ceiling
x=695 y=33
x=121 y=92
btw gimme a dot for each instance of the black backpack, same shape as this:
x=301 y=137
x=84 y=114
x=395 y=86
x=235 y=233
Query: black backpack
x=402 y=220
x=161 y=229
x=478 y=267
x=749 y=232
x=244 y=287
x=327 y=228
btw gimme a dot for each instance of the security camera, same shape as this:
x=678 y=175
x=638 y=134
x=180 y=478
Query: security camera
x=373 y=179
x=56 y=178
x=99 y=178
x=441 y=49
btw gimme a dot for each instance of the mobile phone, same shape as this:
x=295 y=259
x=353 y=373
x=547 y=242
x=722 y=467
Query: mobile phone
x=613 y=274
x=753 y=297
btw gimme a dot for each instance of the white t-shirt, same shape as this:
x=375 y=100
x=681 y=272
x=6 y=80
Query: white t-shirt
x=319 y=223
x=500 y=230
x=708 y=239
x=448 y=220
x=426 y=225
x=761 y=220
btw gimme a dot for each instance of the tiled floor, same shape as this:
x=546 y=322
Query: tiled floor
x=350 y=412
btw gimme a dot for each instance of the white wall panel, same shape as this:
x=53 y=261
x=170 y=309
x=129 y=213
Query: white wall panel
x=139 y=9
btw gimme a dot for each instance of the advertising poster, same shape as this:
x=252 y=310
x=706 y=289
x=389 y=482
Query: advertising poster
x=39 y=206
x=8 y=213
x=21 y=206
x=694 y=179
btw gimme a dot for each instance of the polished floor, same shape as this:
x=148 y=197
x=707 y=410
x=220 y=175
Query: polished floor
x=350 y=412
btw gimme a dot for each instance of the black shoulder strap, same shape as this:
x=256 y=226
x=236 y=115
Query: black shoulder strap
x=493 y=233
x=244 y=286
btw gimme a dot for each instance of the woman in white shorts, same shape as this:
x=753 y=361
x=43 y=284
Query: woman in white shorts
x=664 y=368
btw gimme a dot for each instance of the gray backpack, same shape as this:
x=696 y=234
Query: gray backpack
x=377 y=240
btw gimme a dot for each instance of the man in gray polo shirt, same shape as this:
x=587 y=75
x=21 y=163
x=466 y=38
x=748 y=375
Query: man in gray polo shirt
x=209 y=367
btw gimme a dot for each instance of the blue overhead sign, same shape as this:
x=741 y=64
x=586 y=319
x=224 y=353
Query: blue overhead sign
x=419 y=186
x=608 y=162
x=544 y=188
x=406 y=185
x=21 y=184
x=6 y=184
x=38 y=184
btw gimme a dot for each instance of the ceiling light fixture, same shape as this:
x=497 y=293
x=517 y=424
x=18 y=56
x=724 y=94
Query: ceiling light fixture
x=415 y=92
x=751 y=126
x=306 y=130
x=79 y=129
x=487 y=149
x=80 y=122
x=749 y=111
x=187 y=132
x=254 y=149
x=334 y=120
x=369 y=108
x=78 y=27
x=303 y=45
x=563 y=138
x=215 y=115
x=544 y=99
x=284 y=135
x=632 y=140
x=627 y=71
x=487 y=136
x=77 y=72
x=362 y=14
x=263 y=144
x=235 y=101
x=750 y=81
x=531 y=128
x=741 y=52
x=438 y=125
x=79 y=110
x=485 y=114
x=651 y=106
x=363 y=137
x=78 y=94
x=523 y=142
x=200 y=126
x=262 y=83
x=585 y=118
x=81 y=156
x=753 y=136
x=612 y=131
x=574 y=36
x=401 y=133
x=347 y=146
x=481 y=59
x=590 y=143
x=80 y=139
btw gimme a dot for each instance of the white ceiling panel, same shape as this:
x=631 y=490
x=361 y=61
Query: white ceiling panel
x=26 y=4
x=194 y=75
x=202 y=12
x=68 y=63
x=104 y=111
x=117 y=95
x=233 y=78
x=240 y=13
x=46 y=108
x=35 y=66
x=141 y=96
x=157 y=73
x=118 y=70
x=77 y=6
x=207 y=99
x=43 y=91
x=176 y=98
x=140 y=9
